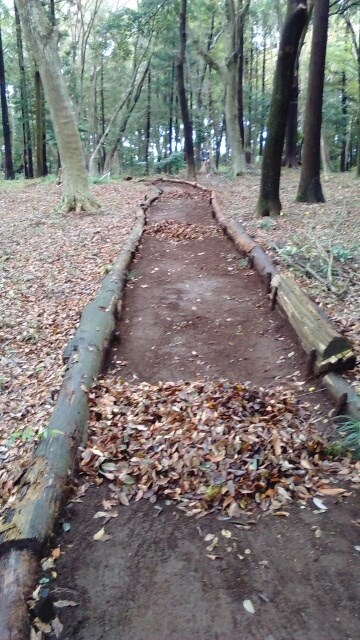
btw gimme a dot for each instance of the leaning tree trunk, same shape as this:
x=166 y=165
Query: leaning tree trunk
x=42 y=39
x=9 y=167
x=269 y=199
x=310 y=189
x=189 y=147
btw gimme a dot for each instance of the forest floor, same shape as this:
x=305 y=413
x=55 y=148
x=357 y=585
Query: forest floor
x=277 y=560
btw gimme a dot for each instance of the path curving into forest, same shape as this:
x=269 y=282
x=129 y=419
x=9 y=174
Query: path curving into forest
x=193 y=309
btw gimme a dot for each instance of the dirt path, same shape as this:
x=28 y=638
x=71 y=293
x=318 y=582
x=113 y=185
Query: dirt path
x=194 y=309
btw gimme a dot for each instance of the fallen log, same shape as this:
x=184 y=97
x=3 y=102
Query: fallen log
x=18 y=572
x=244 y=242
x=334 y=352
x=48 y=479
x=345 y=396
x=196 y=185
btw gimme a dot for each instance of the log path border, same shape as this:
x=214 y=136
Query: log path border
x=47 y=481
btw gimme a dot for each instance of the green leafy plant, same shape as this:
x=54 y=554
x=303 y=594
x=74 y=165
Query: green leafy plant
x=341 y=253
x=173 y=163
x=22 y=435
x=131 y=276
x=28 y=434
x=267 y=223
x=287 y=250
x=349 y=432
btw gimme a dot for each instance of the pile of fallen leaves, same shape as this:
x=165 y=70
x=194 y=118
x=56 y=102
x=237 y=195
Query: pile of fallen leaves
x=178 y=231
x=208 y=445
x=51 y=265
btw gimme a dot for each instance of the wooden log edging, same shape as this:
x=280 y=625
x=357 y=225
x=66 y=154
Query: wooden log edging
x=258 y=258
x=315 y=331
x=47 y=481
x=347 y=401
x=345 y=398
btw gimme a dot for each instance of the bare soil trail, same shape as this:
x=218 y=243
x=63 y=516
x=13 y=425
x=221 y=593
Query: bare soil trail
x=193 y=309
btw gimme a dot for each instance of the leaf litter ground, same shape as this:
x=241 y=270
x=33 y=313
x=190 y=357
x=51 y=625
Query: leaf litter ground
x=50 y=267
x=267 y=561
x=211 y=446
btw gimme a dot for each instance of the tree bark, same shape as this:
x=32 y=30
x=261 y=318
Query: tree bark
x=9 y=167
x=269 y=198
x=344 y=146
x=41 y=168
x=148 y=124
x=27 y=144
x=42 y=39
x=189 y=147
x=171 y=108
x=310 y=189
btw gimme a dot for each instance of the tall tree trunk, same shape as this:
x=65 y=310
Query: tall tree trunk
x=171 y=109
x=177 y=126
x=291 y=139
x=189 y=148
x=263 y=108
x=291 y=155
x=310 y=189
x=27 y=145
x=41 y=167
x=148 y=124
x=42 y=38
x=240 y=87
x=344 y=145
x=9 y=167
x=269 y=198
x=248 y=136
x=355 y=37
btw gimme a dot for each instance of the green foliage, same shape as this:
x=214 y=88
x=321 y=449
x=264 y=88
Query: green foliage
x=172 y=164
x=343 y=254
x=267 y=223
x=349 y=432
x=131 y=276
x=28 y=434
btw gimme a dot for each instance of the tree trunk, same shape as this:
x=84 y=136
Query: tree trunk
x=344 y=145
x=233 y=77
x=240 y=88
x=269 y=199
x=232 y=120
x=310 y=186
x=171 y=109
x=9 y=167
x=263 y=108
x=148 y=125
x=189 y=148
x=41 y=169
x=42 y=39
x=290 y=157
x=248 y=131
x=27 y=145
